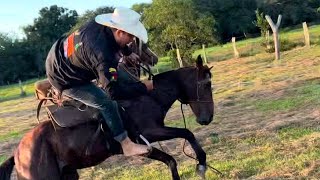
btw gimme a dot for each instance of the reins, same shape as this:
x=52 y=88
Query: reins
x=199 y=83
x=183 y=149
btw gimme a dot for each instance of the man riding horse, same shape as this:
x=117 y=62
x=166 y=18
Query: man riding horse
x=93 y=52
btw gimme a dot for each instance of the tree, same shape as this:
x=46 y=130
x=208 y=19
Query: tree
x=16 y=60
x=294 y=11
x=46 y=29
x=233 y=17
x=140 y=7
x=175 y=24
x=261 y=23
x=90 y=15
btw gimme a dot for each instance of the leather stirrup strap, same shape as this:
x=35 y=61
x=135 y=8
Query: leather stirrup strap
x=39 y=106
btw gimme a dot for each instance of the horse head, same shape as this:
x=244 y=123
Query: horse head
x=198 y=93
x=141 y=57
x=147 y=57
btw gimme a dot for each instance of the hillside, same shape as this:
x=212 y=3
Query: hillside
x=266 y=126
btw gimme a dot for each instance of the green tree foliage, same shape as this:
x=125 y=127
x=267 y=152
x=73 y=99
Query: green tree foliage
x=234 y=17
x=177 y=24
x=46 y=29
x=140 y=7
x=261 y=23
x=24 y=59
x=52 y=23
x=90 y=15
x=293 y=11
x=16 y=61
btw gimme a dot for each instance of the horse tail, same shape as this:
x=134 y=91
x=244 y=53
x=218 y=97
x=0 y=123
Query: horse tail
x=6 y=168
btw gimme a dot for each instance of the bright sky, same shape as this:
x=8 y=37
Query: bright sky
x=15 y=14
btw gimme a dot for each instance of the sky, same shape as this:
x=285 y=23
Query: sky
x=14 y=14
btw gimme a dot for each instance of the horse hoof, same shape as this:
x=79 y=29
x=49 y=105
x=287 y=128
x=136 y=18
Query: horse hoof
x=201 y=170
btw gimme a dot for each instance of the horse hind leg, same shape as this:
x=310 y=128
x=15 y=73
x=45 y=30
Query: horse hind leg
x=6 y=168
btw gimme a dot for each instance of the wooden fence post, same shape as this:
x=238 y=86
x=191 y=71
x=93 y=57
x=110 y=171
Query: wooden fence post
x=306 y=34
x=235 y=51
x=204 y=54
x=179 y=58
x=275 y=30
x=22 y=91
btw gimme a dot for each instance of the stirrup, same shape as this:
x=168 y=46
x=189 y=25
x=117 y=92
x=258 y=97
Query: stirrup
x=146 y=141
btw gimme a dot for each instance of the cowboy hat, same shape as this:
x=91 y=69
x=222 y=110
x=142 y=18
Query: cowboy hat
x=126 y=20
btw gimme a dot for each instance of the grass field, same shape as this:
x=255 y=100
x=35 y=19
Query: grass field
x=266 y=125
x=13 y=91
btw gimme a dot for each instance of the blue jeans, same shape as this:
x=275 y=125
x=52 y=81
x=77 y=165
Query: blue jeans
x=93 y=96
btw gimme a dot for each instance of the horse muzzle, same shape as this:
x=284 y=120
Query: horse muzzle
x=205 y=120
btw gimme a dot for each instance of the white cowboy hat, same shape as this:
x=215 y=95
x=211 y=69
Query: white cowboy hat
x=126 y=20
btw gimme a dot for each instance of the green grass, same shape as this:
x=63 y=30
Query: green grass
x=295 y=98
x=10 y=92
x=236 y=158
x=2 y=158
x=11 y=135
x=279 y=105
x=252 y=46
x=191 y=123
x=293 y=133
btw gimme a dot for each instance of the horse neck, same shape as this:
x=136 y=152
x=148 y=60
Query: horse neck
x=167 y=87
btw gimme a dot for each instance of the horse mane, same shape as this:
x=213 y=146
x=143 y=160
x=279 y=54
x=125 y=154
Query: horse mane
x=170 y=73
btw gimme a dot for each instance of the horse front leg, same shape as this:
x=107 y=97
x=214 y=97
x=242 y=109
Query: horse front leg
x=167 y=159
x=166 y=133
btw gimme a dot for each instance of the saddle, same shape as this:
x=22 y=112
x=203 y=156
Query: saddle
x=63 y=111
x=72 y=113
x=66 y=112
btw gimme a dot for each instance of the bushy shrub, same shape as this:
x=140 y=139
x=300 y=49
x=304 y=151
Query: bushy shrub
x=285 y=45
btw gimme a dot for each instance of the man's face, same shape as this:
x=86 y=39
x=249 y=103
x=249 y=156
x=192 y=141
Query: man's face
x=124 y=38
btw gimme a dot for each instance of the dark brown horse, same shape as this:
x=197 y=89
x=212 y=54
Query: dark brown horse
x=46 y=153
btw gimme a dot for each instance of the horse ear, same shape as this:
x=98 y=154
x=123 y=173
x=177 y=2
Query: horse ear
x=210 y=67
x=199 y=61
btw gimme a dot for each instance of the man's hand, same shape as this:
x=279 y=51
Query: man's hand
x=149 y=84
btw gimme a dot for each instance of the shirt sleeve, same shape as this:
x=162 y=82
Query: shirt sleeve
x=104 y=66
x=107 y=75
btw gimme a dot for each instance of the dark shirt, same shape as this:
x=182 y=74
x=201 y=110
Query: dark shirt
x=92 y=53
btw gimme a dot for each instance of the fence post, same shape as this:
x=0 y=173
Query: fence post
x=204 y=54
x=235 y=51
x=179 y=58
x=22 y=91
x=306 y=34
x=275 y=30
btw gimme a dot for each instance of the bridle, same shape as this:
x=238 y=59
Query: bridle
x=199 y=83
x=140 y=48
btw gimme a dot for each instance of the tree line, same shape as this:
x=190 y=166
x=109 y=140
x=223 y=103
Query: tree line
x=171 y=24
